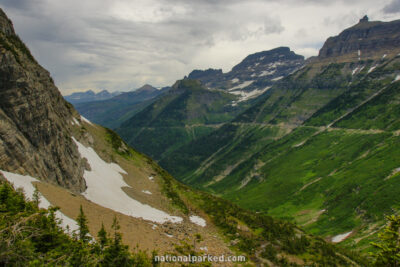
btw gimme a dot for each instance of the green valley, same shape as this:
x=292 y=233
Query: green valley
x=320 y=148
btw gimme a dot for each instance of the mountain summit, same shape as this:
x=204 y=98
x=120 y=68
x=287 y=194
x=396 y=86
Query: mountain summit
x=365 y=40
x=89 y=96
x=254 y=74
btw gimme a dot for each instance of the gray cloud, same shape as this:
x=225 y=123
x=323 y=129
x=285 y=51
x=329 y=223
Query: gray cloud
x=21 y=4
x=392 y=7
x=122 y=44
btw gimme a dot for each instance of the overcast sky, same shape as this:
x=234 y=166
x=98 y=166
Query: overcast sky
x=123 y=44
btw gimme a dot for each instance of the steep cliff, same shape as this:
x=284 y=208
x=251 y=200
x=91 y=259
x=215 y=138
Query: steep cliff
x=365 y=40
x=35 y=120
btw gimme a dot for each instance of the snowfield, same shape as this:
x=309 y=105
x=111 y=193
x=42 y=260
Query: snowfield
x=241 y=86
x=341 y=237
x=86 y=120
x=25 y=182
x=75 y=122
x=277 y=78
x=266 y=72
x=104 y=187
x=248 y=95
x=198 y=220
x=372 y=69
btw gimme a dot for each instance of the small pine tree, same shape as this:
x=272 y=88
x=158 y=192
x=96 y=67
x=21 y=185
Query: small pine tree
x=36 y=197
x=83 y=228
x=117 y=254
x=102 y=236
x=388 y=253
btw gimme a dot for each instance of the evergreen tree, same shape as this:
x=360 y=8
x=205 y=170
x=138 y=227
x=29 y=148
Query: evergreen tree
x=388 y=253
x=36 y=197
x=117 y=254
x=30 y=236
x=102 y=237
x=83 y=228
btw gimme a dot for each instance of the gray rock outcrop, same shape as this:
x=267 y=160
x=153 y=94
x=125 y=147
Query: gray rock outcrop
x=35 y=120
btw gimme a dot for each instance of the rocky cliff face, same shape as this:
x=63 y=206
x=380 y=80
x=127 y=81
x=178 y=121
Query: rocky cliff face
x=254 y=75
x=35 y=120
x=365 y=40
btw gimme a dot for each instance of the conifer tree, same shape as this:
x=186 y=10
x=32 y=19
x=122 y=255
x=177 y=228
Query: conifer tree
x=388 y=253
x=36 y=197
x=117 y=254
x=102 y=237
x=83 y=228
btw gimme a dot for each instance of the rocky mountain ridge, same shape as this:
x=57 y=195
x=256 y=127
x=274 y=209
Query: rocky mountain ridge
x=254 y=74
x=35 y=119
x=89 y=96
x=325 y=135
x=365 y=40
x=112 y=112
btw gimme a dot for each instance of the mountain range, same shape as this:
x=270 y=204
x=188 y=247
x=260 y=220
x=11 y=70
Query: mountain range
x=319 y=148
x=113 y=111
x=203 y=101
x=59 y=158
x=89 y=96
x=314 y=141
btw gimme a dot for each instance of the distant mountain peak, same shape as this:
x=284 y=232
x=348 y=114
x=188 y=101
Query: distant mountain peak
x=365 y=40
x=146 y=87
x=253 y=75
x=364 y=19
x=90 y=96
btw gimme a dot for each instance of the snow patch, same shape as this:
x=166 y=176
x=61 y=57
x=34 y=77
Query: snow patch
x=397 y=78
x=203 y=248
x=170 y=236
x=104 y=187
x=341 y=237
x=235 y=80
x=266 y=72
x=277 y=78
x=153 y=226
x=372 y=69
x=358 y=69
x=146 y=192
x=197 y=220
x=86 y=120
x=151 y=178
x=74 y=121
x=384 y=56
x=241 y=86
x=25 y=182
x=248 y=95
x=359 y=52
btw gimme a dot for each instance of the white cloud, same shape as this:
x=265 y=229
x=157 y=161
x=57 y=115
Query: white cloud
x=122 y=44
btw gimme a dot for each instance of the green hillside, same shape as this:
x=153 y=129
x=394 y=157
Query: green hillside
x=187 y=112
x=321 y=148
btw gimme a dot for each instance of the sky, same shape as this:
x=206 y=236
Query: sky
x=120 y=45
